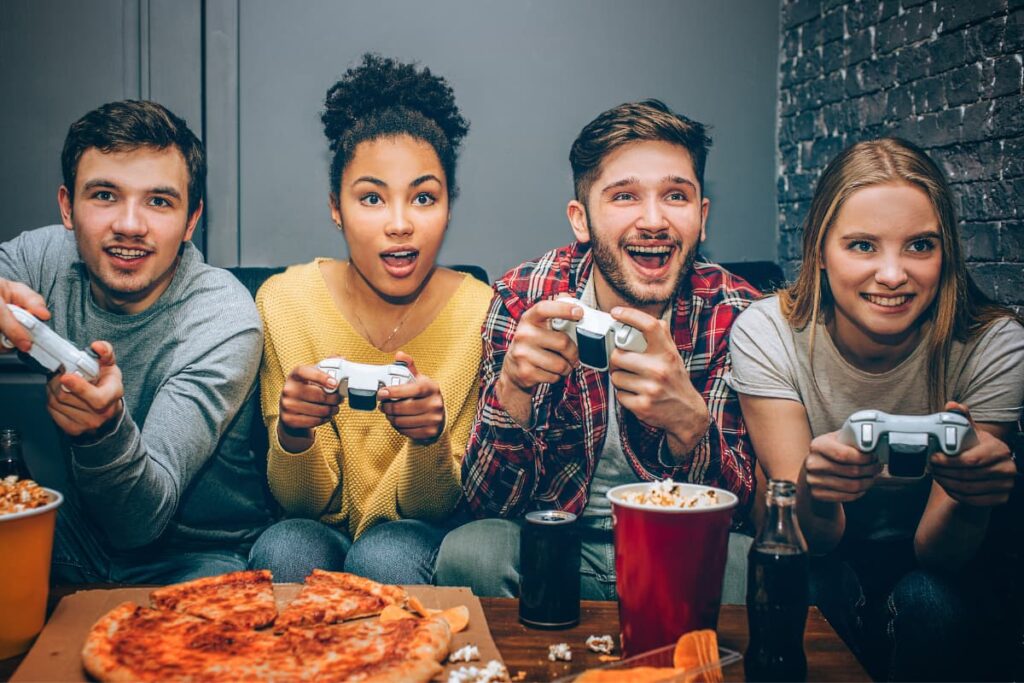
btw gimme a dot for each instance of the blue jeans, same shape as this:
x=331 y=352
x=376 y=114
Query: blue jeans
x=291 y=549
x=78 y=557
x=904 y=623
x=400 y=552
x=484 y=555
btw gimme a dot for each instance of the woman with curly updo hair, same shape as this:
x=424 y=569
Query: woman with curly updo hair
x=373 y=491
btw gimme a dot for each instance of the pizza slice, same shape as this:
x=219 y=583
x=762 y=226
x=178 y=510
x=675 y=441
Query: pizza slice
x=244 y=599
x=133 y=643
x=330 y=597
x=370 y=651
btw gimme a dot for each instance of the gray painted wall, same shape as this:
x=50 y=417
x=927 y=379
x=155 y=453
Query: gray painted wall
x=62 y=58
x=528 y=75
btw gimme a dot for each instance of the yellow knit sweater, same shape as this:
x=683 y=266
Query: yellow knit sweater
x=382 y=475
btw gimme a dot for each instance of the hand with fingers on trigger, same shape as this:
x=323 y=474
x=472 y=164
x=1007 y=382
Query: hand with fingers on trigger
x=20 y=295
x=415 y=409
x=537 y=355
x=982 y=475
x=837 y=472
x=83 y=409
x=655 y=385
x=308 y=400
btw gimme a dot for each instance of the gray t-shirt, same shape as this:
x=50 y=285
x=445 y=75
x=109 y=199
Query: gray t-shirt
x=771 y=359
x=612 y=467
x=178 y=467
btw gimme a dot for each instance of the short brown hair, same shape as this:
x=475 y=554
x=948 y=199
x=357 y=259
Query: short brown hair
x=127 y=125
x=649 y=120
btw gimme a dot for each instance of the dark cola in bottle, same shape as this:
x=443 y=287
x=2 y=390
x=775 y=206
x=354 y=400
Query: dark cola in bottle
x=11 y=462
x=777 y=592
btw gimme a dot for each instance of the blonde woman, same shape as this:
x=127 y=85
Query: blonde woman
x=883 y=315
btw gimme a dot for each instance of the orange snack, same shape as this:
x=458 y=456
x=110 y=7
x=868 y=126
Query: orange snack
x=640 y=674
x=457 y=618
x=394 y=613
x=695 y=649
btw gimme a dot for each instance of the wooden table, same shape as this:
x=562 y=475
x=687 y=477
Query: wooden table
x=526 y=650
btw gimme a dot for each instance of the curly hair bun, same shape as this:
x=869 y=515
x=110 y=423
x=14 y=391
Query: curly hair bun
x=381 y=83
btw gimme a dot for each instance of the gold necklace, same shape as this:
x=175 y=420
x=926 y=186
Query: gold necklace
x=366 y=331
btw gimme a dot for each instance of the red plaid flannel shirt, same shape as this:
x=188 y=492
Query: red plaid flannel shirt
x=509 y=470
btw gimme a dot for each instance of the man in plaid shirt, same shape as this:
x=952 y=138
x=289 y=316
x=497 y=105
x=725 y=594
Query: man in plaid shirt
x=553 y=434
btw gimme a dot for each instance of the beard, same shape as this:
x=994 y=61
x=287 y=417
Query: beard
x=609 y=260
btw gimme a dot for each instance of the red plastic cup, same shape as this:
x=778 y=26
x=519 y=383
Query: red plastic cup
x=669 y=566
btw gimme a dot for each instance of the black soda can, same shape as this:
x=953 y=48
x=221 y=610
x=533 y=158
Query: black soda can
x=549 y=562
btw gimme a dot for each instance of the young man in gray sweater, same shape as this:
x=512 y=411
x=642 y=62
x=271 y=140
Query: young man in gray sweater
x=163 y=484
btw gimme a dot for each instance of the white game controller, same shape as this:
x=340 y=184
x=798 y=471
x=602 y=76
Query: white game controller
x=362 y=381
x=51 y=350
x=597 y=334
x=903 y=442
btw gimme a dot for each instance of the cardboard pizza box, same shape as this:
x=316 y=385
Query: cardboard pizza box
x=56 y=655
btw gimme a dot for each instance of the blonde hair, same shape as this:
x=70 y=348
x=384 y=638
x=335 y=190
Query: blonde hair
x=960 y=309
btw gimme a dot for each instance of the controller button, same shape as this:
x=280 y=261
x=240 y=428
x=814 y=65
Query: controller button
x=953 y=418
x=951 y=437
x=867 y=433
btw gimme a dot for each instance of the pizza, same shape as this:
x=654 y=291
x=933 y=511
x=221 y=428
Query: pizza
x=245 y=599
x=203 y=631
x=330 y=597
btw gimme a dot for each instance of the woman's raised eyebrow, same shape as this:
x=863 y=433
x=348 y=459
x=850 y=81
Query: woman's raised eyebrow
x=370 y=179
x=424 y=178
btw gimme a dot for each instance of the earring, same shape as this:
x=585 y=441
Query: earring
x=338 y=225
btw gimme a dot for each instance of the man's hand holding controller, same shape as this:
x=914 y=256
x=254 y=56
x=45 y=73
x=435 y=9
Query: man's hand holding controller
x=85 y=396
x=645 y=367
x=537 y=355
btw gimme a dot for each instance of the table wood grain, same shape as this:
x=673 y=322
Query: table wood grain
x=525 y=650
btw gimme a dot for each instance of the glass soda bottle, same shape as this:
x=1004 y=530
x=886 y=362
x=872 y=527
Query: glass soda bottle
x=11 y=461
x=777 y=592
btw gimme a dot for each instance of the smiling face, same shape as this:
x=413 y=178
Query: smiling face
x=393 y=209
x=883 y=260
x=644 y=217
x=130 y=218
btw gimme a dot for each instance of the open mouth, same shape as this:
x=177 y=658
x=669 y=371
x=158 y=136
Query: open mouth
x=127 y=253
x=888 y=301
x=400 y=261
x=650 y=257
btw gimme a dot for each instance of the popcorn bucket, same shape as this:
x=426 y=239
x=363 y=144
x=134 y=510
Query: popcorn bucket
x=27 y=541
x=669 y=563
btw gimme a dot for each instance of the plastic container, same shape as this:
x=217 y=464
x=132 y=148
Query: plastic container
x=669 y=565
x=662 y=657
x=27 y=541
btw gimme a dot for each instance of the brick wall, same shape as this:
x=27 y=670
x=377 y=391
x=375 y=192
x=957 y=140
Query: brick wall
x=945 y=74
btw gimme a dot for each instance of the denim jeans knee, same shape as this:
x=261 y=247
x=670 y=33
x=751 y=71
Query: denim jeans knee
x=483 y=555
x=399 y=552
x=293 y=548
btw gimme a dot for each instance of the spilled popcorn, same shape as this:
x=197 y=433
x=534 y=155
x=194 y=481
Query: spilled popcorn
x=468 y=653
x=494 y=672
x=602 y=644
x=560 y=651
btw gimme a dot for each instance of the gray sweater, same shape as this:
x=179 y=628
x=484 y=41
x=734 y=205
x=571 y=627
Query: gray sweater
x=178 y=467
